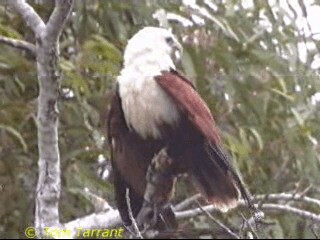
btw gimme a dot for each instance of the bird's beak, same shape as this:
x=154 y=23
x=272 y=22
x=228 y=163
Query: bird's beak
x=177 y=50
x=178 y=47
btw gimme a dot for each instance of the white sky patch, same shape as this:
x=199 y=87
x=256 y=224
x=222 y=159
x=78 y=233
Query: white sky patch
x=101 y=159
x=313 y=12
x=247 y=4
x=307 y=26
x=316 y=62
x=297 y=88
x=264 y=21
x=226 y=96
x=303 y=51
x=190 y=3
x=315 y=99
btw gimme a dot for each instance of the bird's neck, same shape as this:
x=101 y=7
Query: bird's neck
x=145 y=105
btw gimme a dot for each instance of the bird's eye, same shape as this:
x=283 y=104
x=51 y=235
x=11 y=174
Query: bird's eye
x=169 y=40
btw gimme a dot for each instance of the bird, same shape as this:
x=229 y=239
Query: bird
x=155 y=107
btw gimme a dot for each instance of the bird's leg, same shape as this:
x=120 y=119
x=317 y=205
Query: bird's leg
x=159 y=189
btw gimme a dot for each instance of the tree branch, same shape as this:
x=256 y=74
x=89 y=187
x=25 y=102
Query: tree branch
x=287 y=197
x=29 y=15
x=266 y=207
x=134 y=224
x=187 y=202
x=292 y=210
x=19 y=44
x=107 y=219
x=110 y=217
x=47 y=53
x=58 y=19
x=49 y=180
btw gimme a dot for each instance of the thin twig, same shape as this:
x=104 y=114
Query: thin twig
x=133 y=221
x=314 y=232
x=187 y=202
x=220 y=224
x=19 y=44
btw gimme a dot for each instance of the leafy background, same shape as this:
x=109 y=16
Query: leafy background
x=253 y=64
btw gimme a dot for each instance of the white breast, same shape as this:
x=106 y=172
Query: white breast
x=145 y=104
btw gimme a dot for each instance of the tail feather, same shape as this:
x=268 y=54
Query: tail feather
x=215 y=177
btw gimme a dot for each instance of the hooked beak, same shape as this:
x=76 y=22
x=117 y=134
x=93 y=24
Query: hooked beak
x=178 y=47
x=177 y=50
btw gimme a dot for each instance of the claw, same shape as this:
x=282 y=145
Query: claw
x=148 y=215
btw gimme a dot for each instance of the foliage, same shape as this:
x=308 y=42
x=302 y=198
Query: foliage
x=246 y=63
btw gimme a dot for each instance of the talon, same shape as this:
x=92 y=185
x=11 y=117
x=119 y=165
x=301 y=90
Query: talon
x=148 y=215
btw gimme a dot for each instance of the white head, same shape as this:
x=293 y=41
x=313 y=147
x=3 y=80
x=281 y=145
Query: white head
x=144 y=103
x=158 y=44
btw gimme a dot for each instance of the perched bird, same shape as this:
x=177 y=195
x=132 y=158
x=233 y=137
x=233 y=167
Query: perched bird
x=154 y=107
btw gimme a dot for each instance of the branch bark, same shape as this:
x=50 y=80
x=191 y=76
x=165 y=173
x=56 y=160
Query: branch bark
x=47 y=53
x=19 y=44
x=57 y=19
x=48 y=187
x=269 y=207
x=107 y=219
x=32 y=19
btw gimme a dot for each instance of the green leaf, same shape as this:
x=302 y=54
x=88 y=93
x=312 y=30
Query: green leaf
x=15 y=134
x=297 y=116
x=282 y=94
x=258 y=137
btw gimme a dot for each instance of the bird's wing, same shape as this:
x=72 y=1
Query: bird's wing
x=196 y=110
x=189 y=102
x=118 y=135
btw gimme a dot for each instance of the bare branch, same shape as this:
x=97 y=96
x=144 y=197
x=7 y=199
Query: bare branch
x=49 y=180
x=187 y=202
x=19 y=44
x=29 y=15
x=266 y=207
x=107 y=219
x=287 y=197
x=57 y=19
x=292 y=210
x=133 y=221
x=110 y=218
